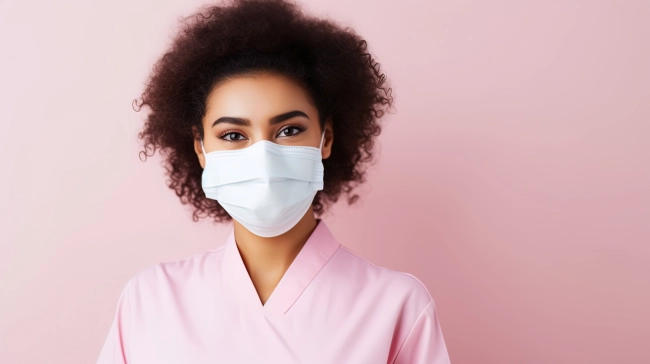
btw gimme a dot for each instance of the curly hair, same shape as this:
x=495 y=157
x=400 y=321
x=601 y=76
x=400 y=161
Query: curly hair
x=330 y=62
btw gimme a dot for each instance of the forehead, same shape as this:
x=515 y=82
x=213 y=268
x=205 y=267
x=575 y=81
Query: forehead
x=257 y=96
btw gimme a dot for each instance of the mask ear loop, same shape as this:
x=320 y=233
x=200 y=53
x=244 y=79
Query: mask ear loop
x=321 y=140
x=202 y=148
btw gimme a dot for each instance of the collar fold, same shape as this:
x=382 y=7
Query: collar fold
x=314 y=255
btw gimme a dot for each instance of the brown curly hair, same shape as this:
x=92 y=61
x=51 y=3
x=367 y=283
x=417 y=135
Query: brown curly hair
x=330 y=62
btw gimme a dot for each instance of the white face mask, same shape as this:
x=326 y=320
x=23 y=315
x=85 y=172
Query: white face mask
x=266 y=187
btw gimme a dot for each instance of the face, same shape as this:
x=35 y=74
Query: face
x=248 y=109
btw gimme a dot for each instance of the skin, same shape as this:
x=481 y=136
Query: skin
x=259 y=98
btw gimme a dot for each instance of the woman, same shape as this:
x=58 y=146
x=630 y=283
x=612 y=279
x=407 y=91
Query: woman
x=247 y=105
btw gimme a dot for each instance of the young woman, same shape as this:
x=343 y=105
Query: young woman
x=265 y=116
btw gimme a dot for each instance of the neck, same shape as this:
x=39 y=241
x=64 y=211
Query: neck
x=271 y=257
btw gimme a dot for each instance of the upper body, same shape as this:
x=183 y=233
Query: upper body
x=264 y=117
x=331 y=306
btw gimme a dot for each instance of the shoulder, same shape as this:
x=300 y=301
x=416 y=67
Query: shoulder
x=398 y=285
x=401 y=299
x=181 y=274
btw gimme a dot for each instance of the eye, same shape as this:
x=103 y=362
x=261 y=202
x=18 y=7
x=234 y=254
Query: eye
x=234 y=136
x=292 y=130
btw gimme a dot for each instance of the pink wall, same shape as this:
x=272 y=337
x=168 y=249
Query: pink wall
x=513 y=180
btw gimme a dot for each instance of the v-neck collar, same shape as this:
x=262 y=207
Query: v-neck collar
x=315 y=253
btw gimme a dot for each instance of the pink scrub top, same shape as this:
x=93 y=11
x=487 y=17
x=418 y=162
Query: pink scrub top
x=331 y=306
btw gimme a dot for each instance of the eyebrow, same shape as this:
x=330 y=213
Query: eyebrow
x=274 y=120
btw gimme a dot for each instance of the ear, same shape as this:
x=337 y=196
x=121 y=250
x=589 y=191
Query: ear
x=197 y=146
x=328 y=139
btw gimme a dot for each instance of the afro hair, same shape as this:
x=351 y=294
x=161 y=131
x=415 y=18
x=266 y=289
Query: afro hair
x=330 y=62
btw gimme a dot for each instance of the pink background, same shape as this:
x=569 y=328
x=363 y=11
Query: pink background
x=513 y=178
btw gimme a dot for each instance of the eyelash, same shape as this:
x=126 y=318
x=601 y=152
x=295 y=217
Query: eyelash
x=227 y=132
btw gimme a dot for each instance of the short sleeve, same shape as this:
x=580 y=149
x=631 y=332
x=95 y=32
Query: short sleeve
x=115 y=348
x=425 y=343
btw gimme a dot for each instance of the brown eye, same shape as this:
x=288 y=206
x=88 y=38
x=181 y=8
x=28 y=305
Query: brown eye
x=290 y=131
x=234 y=136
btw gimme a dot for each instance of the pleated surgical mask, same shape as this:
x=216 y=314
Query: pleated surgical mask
x=266 y=187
